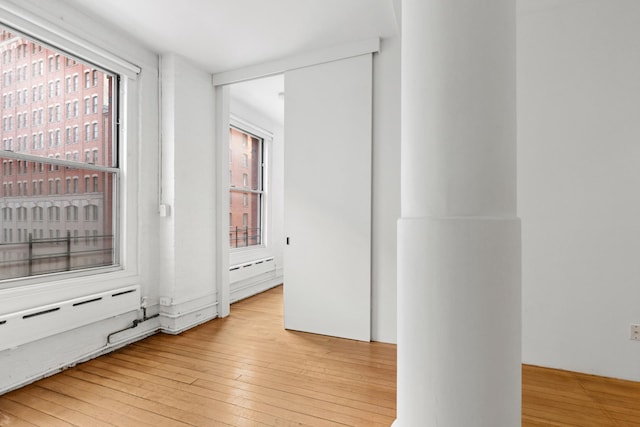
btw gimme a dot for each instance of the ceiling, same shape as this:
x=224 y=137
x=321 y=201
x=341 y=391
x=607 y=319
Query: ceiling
x=222 y=35
x=266 y=95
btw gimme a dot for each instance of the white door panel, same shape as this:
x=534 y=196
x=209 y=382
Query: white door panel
x=327 y=286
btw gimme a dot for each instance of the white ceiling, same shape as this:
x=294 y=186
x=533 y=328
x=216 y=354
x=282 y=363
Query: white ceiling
x=263 y=95
x=222 y=35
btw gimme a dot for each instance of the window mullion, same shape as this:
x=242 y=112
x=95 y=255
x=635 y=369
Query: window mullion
x=59 y=162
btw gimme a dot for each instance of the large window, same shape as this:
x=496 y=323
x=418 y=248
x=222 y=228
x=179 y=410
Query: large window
x=48 y=219
x=246 y=188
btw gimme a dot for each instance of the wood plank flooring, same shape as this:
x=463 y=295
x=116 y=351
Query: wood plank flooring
x=245 y=370
x=560 y=398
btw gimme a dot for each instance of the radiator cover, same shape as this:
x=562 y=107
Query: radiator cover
x=251 y=269
x=21 y=327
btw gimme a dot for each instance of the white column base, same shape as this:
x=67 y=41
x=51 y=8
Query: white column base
x=459 y=322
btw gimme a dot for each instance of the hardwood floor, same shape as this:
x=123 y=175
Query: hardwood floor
x=245 y=370
x=561 y=398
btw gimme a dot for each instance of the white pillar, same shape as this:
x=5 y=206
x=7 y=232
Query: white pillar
x=459 y=236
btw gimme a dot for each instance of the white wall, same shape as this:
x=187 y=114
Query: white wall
x=579 y=180
x=188 y=243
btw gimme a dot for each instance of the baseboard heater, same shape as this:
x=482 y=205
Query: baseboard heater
x=29 y=325
x=251 y=269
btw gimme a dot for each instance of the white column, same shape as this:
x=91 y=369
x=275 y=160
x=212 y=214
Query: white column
x=459 y=236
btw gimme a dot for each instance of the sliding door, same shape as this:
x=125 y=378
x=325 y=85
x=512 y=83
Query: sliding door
x=327 y=286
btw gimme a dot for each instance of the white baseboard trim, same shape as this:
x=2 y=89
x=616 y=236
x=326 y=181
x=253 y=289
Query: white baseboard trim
x=177 y=318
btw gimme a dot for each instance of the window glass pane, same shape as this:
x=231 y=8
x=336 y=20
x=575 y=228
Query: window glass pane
x=245 y=162
x=51 y=110
x=245 y=224
x=49 y=212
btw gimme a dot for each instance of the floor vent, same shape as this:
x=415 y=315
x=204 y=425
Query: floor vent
x=29 y=325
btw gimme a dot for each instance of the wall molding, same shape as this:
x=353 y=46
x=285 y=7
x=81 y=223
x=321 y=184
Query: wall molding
x=307 y=59
x=177 y=317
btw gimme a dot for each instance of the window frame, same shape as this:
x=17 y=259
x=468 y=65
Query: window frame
x=122 y=95
x=266 y=138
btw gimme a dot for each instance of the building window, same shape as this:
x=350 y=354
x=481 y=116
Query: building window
x=246 y=211
x=71 y=213
x=22 y=213
x=36 y=213
x=91 y=213
x=53 y=214
x=7 y=214
x=57 y=123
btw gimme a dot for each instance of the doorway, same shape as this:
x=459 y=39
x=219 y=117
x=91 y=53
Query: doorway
x=255 y=186
x=324 y=195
